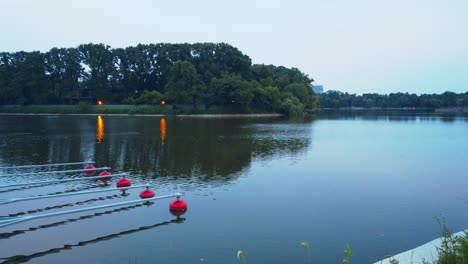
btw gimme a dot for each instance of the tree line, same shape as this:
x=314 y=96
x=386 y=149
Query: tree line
x=336 y=99
x=199 y=75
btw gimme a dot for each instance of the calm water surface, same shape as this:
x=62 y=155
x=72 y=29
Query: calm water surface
x=375 y=182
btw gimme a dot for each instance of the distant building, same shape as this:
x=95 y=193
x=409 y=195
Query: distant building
x=317 y=88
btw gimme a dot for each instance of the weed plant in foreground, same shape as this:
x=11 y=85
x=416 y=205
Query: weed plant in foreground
x=454 y=249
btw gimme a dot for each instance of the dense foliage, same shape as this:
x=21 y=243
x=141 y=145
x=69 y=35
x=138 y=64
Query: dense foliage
x=335 y=99
x=198 y=74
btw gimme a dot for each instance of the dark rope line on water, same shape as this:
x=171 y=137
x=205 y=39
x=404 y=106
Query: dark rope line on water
x=41 y=185
x=23 y=188
x=102 y=198
x=26 y=258
x=71 y=220
x=84 y=188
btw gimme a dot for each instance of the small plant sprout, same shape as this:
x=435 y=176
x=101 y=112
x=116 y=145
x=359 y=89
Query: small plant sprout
x=392 y=260
x=240 y=256
x=347 y=254
x=306 y=246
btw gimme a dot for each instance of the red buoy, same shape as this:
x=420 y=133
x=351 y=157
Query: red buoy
x=178 y=207
x=147 y=194
x=90 y=170
x=104 y=174
x=123 y=182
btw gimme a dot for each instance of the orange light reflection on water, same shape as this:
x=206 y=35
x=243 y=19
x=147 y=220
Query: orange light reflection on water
x=100 y=129
x=162 y=124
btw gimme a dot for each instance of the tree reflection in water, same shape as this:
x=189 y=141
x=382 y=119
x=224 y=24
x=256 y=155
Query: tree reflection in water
x=202 y=150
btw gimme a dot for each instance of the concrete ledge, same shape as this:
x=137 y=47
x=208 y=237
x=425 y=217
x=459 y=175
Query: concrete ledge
x=427 y=252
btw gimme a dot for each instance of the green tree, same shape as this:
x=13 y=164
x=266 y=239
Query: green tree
x=184 y=84
x=464 y=100
x=149 y=97
x=448 y=99
x=29 y=84
x=292 y=106
x=64 y=71
x=98 y=75
x=214 y=73
x=6 y=76
x=267 y=98
x=304 y=93
x=232 y=92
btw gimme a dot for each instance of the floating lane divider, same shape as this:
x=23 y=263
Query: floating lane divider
x=89 y=170
x=47 y=165
x=103 y=176
x=13 y=200
x=6 y=221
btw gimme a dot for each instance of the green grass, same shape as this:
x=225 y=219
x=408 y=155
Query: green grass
x=87 y=108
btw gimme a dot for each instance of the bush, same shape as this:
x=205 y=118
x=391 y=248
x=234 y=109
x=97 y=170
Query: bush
x=84 y=107
x=149 y=97
x=293 y=107
x=454 y=249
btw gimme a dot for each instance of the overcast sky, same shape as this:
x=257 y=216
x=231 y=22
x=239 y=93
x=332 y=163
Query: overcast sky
x=359 y=46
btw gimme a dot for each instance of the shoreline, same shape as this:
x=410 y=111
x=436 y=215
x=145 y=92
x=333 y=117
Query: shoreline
x=153 y=115
x=433 y=110
x=427 y=252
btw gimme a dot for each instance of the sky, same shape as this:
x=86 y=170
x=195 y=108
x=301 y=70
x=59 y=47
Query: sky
x=359 y=46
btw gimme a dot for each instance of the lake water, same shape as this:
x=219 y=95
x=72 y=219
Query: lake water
x=374 y=181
